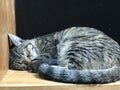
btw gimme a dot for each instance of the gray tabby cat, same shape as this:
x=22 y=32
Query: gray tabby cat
x=73 y=55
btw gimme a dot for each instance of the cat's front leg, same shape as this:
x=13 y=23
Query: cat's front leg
x=35 y=63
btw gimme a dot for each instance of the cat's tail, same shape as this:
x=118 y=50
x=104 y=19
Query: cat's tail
x=62 y=74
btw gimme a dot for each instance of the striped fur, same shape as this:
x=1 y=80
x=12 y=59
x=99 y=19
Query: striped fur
x=73 y=55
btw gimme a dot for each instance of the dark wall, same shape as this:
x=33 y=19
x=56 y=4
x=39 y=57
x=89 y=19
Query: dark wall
x=39 y=17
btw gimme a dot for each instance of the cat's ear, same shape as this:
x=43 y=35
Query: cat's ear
x=15 y=39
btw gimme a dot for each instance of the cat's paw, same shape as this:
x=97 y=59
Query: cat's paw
x=43 y=68
x=34 y=65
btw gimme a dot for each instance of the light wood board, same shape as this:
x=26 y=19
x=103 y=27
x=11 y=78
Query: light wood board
x=7 y=25
x=23 y=80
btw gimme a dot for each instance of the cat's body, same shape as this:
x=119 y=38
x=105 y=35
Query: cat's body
x=74 y=55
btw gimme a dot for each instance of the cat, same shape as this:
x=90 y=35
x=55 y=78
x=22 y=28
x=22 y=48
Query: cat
x=80 y=55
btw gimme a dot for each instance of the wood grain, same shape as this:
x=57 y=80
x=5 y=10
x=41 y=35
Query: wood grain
x=7 y=25
x=23 y=80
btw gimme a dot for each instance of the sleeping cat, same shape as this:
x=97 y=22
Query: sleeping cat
x=73 y=55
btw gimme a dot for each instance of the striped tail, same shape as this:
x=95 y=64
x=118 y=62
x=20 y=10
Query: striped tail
x=61 y=74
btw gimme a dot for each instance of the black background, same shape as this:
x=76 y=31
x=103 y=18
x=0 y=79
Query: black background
x=39 y=17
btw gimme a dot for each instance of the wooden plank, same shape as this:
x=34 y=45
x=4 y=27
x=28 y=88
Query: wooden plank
x=7 y=24
x=23 y=80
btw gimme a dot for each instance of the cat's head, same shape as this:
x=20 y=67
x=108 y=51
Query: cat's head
x=23 y=52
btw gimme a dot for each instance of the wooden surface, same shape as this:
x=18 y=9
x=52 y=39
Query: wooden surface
x=23 y=80
x=7 y=24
